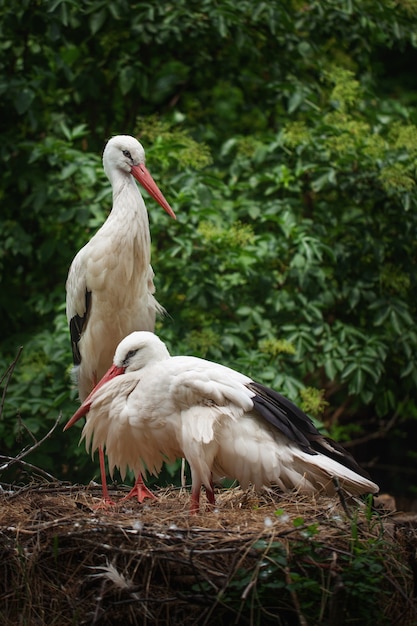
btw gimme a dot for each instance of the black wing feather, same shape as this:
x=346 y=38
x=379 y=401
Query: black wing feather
x=77 y=325
x=298 y=427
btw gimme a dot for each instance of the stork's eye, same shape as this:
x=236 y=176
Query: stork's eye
x=127 y=154
x=129 y=356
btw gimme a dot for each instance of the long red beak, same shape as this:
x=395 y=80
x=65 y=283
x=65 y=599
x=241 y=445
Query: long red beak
x=85 y=407
x=143 y=176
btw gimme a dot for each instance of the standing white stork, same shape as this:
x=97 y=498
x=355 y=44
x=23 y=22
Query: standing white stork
x=151 y=407
x=110 y=282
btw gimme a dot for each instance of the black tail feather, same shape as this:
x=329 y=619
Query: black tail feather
x=288 y=418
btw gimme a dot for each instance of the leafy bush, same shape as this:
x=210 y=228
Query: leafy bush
x=285 y=138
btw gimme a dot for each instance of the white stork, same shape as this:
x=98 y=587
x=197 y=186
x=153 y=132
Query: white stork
x=110 y=282
x=151 y=407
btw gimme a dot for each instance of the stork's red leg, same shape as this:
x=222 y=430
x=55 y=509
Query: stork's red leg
x=106 y=501
x=210 y=495
x=140 y=491
x=195 y=500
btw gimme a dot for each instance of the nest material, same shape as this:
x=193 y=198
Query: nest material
x=253 y=558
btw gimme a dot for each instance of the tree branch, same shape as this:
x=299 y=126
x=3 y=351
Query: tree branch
x=381 y=433
x=24 y=453
x=7 y=375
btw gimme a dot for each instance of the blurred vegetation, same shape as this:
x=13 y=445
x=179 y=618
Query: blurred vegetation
x=284 y=137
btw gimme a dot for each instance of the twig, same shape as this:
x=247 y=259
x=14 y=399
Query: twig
x=22 y=426
x=334 y=419
x=24 y=453
x=183 y=477
x=339 y=492
x=378 y=434
x=337 y=602
x=25 y=464
x=99 y=600
x=7 y=375
x=409 y=603
x=301 y=619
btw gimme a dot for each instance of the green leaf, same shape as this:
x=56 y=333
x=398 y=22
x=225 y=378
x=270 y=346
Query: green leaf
x=126 y=79
x=97 y=20
x=23 y=99
x=295 y=101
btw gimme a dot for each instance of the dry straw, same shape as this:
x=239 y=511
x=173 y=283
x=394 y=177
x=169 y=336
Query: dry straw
x=63 y=561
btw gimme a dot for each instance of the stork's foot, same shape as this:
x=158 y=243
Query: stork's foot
x=195 y=499
x=105 y=503
x=140 y=491
x=194 y=506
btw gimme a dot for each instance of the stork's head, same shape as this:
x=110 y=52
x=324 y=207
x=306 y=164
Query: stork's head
x=139 y=349
x=133 y=353
x=124 y=153
x=120 y=153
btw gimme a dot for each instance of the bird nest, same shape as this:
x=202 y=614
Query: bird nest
x=269 y=558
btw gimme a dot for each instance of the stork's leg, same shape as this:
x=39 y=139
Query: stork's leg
x=195 y=500
x=140 y=491
x=106 y=501
x=210 y=495
x=195 y=495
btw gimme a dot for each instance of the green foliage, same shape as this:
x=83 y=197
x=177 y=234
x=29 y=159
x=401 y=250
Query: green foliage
x=312 y=577
x=313 y=401
x=171 y=145
x=284 y=135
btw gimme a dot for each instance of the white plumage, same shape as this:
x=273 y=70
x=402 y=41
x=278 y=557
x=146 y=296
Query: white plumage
x=151 y=407
x=110 y=282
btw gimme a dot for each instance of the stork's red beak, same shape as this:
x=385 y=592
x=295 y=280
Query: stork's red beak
x=143 y=176
x=85 y=407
